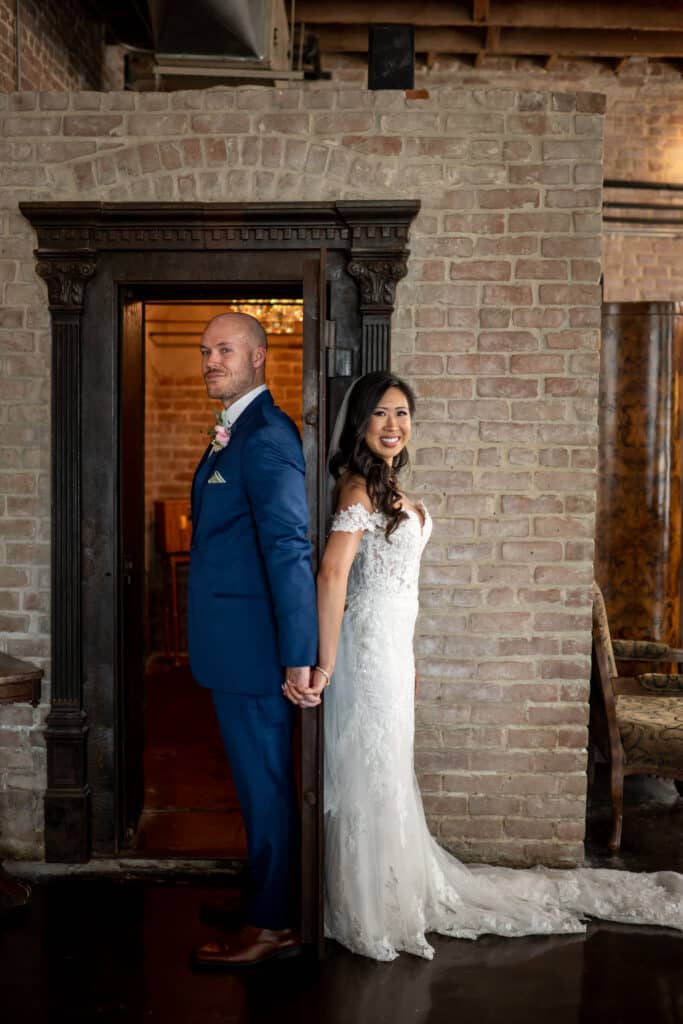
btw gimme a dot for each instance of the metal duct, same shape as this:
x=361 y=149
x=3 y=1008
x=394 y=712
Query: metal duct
x=210 y=28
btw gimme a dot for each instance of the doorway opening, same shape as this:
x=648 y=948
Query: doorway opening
x=190 y=807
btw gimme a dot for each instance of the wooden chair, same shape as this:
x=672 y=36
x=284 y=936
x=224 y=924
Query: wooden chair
x=636 y=722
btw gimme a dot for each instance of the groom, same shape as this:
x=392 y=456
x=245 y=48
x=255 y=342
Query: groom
x=252 y=620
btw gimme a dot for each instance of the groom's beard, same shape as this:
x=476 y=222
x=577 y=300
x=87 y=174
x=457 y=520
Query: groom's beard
x=228 y=387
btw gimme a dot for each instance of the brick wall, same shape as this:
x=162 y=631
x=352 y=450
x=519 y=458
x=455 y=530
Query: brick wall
x=61 y=47
x=496 y=326
x=643 y=140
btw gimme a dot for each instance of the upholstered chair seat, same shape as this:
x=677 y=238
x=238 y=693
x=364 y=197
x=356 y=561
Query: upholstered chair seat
x=636 y=722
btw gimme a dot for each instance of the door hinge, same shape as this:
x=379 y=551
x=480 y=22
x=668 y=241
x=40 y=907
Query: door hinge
x=339 y=361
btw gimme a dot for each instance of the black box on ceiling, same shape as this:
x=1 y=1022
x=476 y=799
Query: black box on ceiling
x=391 y=57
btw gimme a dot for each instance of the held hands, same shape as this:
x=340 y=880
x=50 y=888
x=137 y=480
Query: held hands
x=303 y=685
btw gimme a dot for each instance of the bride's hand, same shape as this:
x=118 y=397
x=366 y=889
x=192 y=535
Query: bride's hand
x=298 y=688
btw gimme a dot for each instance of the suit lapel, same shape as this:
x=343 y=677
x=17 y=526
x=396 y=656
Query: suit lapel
x=210 y=461
x=201 y=475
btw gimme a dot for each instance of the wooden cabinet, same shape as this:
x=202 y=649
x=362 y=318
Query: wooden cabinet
x=173 y=525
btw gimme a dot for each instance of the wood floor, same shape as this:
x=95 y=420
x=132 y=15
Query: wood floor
x=116 y=950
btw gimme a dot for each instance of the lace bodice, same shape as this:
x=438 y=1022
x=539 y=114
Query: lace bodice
x=384 y=566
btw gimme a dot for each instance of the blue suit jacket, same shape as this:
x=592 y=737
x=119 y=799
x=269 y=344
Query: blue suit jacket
x=251 y=601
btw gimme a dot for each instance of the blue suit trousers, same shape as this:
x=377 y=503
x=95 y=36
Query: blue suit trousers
x=257 y=735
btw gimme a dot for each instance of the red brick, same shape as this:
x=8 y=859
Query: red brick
x=505 y=387
x=548 y=270
x=32 y=126
x=531 y=551
x=538 y=317
x=421 y=365
x=96 y=125
x=586 y=270
x=476 y=364
x=563 y=247
x=506 y=341
x=481 y=270
x=571 y=198
x=560 y=149
x=475 y=223
x=444 y=246
x=544 y=223
x=499 y=623
x=494 y=317
x=569 y=294
x=507 y=433
x=516 y=150
x=508 y=198
x=571 y=339
x=294 y=124
x=539 y=174
x=585 y=317
x=341 y=123
x=591 y=102
x=554 y=457
x=537 y=363
x=156 y=124
x=501 y=294
x=563 y=527
x=445 y=341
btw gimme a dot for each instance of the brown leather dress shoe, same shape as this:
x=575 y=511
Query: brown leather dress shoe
x=249 y=947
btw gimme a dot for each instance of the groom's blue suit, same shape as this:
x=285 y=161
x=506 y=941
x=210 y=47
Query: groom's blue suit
x=251 y=613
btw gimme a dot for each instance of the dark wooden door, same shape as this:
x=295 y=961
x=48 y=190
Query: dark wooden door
x=131 y=589
x=315 y=447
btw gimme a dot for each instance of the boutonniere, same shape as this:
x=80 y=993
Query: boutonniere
x=220 y=432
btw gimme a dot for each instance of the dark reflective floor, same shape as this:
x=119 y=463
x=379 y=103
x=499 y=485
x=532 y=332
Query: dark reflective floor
x=93 y=950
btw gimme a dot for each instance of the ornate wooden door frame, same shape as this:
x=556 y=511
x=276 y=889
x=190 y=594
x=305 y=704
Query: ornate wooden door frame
x=109 y=243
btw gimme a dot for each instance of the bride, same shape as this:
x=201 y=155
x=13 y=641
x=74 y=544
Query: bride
x=387 y=882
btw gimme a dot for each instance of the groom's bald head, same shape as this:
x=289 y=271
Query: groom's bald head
x=233 y=349
x=238 y=324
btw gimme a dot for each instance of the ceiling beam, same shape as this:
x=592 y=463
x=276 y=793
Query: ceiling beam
x=590 y=43
x=515 y=42
x=480 y=11
x=639 y=15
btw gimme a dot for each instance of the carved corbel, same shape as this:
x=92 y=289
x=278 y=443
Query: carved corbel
x=377 y=278
x=66 y=280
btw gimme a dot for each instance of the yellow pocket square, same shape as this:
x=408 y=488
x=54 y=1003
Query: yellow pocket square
x=216 y=478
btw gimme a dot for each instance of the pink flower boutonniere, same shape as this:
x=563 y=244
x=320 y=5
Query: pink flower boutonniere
x=220 y=433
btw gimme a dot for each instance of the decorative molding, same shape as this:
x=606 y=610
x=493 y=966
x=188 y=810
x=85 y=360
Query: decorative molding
x=377 y=279
x=66 y=281
x=75 y=228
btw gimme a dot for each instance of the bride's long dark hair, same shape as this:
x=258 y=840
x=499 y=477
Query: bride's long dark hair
x=354 y=456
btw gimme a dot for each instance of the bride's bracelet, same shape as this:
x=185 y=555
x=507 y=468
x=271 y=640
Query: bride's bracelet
x=323 y=672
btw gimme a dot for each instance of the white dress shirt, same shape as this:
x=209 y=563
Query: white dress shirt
x=237 y=408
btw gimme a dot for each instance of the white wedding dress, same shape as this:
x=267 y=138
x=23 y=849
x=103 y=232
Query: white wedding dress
x=388 y=883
